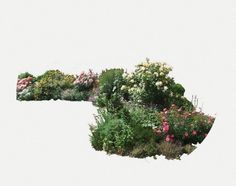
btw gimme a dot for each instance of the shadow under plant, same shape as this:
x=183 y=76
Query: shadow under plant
x=140 y=114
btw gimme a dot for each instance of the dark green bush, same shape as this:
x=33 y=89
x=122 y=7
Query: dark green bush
x=110 y=82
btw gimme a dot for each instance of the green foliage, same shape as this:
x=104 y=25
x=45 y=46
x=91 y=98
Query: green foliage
x=26 y=95
x=74 y=95
x=24 y=75
x=111 y=134
x=51 y=84
x=110 y=82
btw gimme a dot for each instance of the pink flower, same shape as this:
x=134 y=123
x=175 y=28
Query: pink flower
x=205 y=135
x=166 y=126
x=186 y=134
x=194 y=133
x=169 y=138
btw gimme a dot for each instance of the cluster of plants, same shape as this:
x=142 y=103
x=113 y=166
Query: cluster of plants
x=55 y=85
x=141 y=114
x=145 y=113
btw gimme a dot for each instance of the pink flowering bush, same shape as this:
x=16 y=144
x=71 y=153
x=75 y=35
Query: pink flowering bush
x=183 y=126
x=86 y=81
x=23 y=83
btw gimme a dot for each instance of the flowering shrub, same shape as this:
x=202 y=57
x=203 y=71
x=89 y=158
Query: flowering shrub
x=150 y=84
x=86 y=81
x=183 y=126
x=171 y=132
x=51 y=84
x=23 y=83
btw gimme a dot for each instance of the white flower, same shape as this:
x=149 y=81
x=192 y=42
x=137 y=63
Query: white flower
x=165 y=88
x=161 y=74
x=114 y=88
x=142 y=68
x=131 y=90
x=131 y=81
x=182 y=97
x=129 y=76
x=158 y=83
x=171 y=94
x=135 y=86
x=146 y=64
x=124 y=75
x=156 y=74
x=123 y=87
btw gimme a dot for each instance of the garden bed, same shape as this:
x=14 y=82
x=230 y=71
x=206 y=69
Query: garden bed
x=140 y=114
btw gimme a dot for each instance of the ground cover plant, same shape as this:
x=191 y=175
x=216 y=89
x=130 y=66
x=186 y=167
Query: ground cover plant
x=141 y=114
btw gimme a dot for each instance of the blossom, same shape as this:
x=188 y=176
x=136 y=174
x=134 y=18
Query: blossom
x=124 y=75
x=194 y=133
x=123 y=87
x=186 y=134
x=23 y=83
x=165 y=88
x=169 y=138
x=161 y=74
x=158 y=83
x=142 y=68
x=156 y=74
x=86 y=79
x=146 y=64
x=166 y=126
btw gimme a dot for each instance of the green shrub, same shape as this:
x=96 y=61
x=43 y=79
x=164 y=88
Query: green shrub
x=111 y=134
x=26 y=95
x=51 y=84
x=24 y=75
x=110 y=82
x=74 y=95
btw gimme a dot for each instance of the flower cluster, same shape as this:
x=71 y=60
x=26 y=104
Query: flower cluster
x=86 y=80
x=189 y=127
x=150 y=83
x=23 y=83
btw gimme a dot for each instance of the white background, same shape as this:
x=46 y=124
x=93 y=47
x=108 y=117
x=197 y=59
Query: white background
x=47 y=143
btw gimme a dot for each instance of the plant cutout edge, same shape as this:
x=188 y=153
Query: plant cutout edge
x=141 y=114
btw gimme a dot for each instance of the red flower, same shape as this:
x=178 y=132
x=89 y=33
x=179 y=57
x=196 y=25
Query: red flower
x=194 y=133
